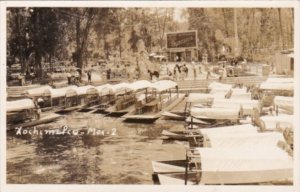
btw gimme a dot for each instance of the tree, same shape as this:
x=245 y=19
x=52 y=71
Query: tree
x=17 y=35
x=30 y=35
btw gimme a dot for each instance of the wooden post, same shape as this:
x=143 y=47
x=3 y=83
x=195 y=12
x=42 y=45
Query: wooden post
x=146 y=95
x=65 y=101
x=186 y=168
x=160 y=101
x=185 y=108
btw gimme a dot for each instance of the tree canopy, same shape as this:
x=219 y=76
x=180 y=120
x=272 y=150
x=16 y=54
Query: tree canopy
x=37 y=35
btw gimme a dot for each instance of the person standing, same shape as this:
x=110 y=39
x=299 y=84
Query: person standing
x=174 y=73
x=69 y=77
x=208 y=73
x=40 y=102
x=108 y=71
x=185 y=70
x=89 y=74
x=194 y=70
x=38 y=112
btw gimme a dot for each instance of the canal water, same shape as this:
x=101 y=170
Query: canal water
x=95 y=149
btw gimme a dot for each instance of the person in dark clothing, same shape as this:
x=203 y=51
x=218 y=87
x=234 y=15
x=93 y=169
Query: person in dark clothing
x=69 y=76
x=108 y=74
x=89 y=74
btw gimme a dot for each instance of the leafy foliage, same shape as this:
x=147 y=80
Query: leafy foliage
x=37 y=35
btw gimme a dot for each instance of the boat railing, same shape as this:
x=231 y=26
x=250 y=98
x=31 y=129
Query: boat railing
x=193 y=165
x=125 y=102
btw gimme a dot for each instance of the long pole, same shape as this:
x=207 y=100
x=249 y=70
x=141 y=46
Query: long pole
x=236 y=51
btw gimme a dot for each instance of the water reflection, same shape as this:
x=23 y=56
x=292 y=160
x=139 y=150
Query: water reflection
x=86 y=157
x=92 y=140
x=55 y=144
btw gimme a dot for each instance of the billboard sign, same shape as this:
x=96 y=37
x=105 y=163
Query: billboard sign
x=186 y=39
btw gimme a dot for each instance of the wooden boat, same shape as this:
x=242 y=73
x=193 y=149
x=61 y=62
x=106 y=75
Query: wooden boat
x=86 y=95
x=66 y=99
x=179 y=179
x=23 y=113
x=20 y=110
x=216 y=91
x=272 y=123
x=193 y=120
x=173 y=116
x=44 y=119
x=232 y=114
x=56 y=98
x=275 y=87
x=170 y=166
x=194 y=100
x=284 y=105
x=229 y=167
x=246 y=106
x=106 y=97
x=36 y=93
x=175 y=179
x=161 y=99
x=124 y=99
x=180 y=135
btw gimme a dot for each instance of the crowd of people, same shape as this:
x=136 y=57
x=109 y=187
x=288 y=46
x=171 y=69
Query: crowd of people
x=182 y=71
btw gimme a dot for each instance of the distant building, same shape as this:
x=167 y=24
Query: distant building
x=284 y=62
x=182 y=46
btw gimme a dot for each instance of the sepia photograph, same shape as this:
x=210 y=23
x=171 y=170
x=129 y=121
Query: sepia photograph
x=150 y=95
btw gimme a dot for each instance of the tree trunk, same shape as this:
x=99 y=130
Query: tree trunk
x=19 y=46
x=38 y=64
x=225 y=23
x=280 y=28
x=120 y=42
x=82 y=37
x=50 y=62
x=78 y=60
x=292 y=27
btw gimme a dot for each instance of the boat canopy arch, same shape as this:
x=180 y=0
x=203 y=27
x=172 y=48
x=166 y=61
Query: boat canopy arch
x=71 y=93
x=92 y=91
x=200 y=97
x=19 y=105
x=280 y=84
x=286 y=103
x=121 y=88
x=279 y=80
x=141 y=84
x=277 y=86
x=219 y=86
x=83 y=90
x=56 y=93
x=105 y=89
x=230 y=130
x=272 y=122
x=164 y=85
x=216 y=113
x=35 y=92
x=244 y=165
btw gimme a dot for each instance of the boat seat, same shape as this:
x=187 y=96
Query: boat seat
x=151 y=105
x=139 y=107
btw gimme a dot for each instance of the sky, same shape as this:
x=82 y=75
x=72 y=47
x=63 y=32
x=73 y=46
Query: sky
x=178 y=15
